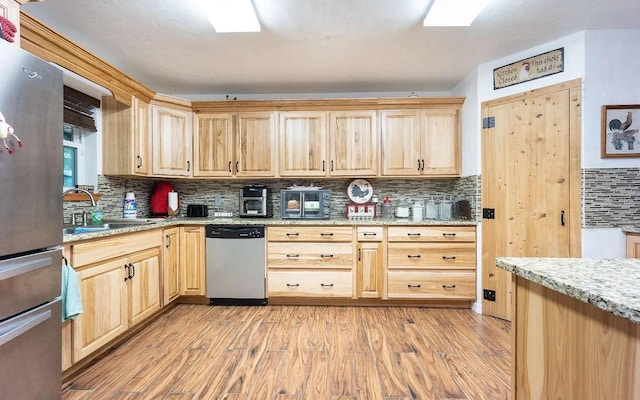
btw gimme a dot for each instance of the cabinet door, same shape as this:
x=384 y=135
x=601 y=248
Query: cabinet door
x=170 y=271
x=125 y=137
x=213 y=145
x=104 y=302
x=144 y=285
x=441 y=142
x=171 y=146
x=302 y=143
x=255 y=144
x=633 y=246
x=370 y=270
x=142 y=154
x=401 y=138
x=192 y=261
x=353 y=143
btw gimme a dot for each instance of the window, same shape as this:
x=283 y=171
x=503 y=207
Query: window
x=72 y=156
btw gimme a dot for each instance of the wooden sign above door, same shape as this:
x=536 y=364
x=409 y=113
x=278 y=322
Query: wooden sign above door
x=545 y=64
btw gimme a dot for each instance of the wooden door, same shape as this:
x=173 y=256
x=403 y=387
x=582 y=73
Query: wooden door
x=171 y=135
x=256 y=144
x=353 y=142
x=192 y=261
x=400 y=143
x=303 y=143
x=141 y=137
x=369 y=270
x=213 y=145
x=531 y=178
x=144 y=285
x=170 y=270
x=104 y=304
x=440 y=142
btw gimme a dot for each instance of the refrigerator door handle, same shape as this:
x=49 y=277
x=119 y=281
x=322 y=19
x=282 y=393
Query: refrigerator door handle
x=24 y=268
x=24 y=327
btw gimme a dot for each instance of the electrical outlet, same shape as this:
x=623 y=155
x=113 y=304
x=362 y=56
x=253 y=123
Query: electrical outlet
x=217 y=200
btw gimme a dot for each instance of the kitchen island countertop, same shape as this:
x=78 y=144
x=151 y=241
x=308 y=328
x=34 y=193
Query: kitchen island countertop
x=612 y=285
x=176 y=221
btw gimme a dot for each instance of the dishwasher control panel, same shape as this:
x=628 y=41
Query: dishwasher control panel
x=234 y=231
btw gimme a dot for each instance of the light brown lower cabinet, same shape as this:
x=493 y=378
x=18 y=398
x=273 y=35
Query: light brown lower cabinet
x=370 y=265
x=170 y=265
x=633 y=245
x=120 y=286
x=192 y=261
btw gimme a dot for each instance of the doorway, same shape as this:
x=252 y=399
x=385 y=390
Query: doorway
x=530 y=183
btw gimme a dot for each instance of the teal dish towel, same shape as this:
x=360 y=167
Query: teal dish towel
x=71 y=300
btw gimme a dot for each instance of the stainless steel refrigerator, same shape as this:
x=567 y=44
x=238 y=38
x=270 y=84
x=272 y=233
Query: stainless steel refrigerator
x=31 y=104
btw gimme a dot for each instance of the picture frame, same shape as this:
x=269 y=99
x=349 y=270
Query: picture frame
x=620 y=131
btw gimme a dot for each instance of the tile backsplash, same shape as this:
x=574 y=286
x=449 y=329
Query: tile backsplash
x=610 y=197
x=205 y=192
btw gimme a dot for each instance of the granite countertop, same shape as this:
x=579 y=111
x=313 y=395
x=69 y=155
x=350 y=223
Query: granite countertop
x=612 y=285
x=175 y=221
x=630 y=229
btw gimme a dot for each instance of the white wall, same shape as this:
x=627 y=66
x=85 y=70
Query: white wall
x=470 y=124
x=612 y=76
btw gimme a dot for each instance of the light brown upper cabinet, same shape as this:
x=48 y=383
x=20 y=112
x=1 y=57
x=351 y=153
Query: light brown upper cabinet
x=303 y=143
x=240 y=145
x=125 y=137
x=353 y=143
x=420 y=142
x=171 y=141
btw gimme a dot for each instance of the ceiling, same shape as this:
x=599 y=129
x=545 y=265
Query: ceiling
x=315 y=46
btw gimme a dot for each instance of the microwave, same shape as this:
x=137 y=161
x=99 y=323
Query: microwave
x=305 y=203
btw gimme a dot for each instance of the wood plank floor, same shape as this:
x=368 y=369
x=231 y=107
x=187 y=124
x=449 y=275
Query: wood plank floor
x=303 y=352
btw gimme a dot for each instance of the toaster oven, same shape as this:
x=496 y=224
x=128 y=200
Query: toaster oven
x=305 y=203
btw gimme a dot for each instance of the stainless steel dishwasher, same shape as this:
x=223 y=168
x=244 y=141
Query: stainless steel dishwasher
x=236 y=264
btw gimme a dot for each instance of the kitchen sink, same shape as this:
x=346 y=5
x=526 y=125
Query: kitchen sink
x=70 y=230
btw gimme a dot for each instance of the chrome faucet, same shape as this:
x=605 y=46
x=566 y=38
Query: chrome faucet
x=84 y=215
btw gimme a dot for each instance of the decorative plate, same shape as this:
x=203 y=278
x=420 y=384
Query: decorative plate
x=360 y=191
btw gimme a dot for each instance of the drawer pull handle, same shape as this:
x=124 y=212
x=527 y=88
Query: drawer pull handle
x=448 y=257
x=326 y=284
x=293 y=234
x=413 y=234
x=449 y=286
x=293 y=255
x=413 y=286
x=326 y=255
x=326 y=234
x=413 y=256
x=448 y=234
x=293 y=284
x=369 y=234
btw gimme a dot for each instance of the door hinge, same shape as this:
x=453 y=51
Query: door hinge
x=489 y=213
x=489 y=295
x=489 y=122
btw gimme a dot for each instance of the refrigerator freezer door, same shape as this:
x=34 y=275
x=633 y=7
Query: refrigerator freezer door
x=31 y=103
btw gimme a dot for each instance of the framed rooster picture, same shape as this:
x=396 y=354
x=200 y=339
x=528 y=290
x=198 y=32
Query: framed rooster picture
x=620 y=131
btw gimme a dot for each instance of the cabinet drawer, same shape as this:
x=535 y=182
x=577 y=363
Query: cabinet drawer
x=455 y=285
x=432 y=234
x=309 y=284
x=94 y=251
x=432 y=255
x=370 y=233
x=309 y=255
x=310 y=233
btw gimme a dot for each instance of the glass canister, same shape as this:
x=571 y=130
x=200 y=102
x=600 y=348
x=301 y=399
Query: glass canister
x=432 y=209
x=446 y=210
x=386 y=210
x=402 y=209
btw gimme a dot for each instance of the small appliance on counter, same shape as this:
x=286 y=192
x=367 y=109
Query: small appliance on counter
x=305 y=202
x=197 y=210
x=253 y=201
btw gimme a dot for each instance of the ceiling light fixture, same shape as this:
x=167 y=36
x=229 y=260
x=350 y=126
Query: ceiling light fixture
x=453 y=12
x=231 y=15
